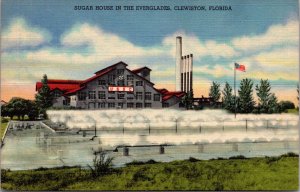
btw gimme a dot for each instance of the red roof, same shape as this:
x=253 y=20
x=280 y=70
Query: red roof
x=169 y=94
x=98 y=74
x=63 y=85
x=75 y=90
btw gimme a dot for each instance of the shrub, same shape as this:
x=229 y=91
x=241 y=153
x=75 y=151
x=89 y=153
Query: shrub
x=192 y=159
x=238 y=157
x=290 y=154
x=101 y=165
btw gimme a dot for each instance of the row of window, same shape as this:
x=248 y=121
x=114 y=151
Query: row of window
x=102 y=95
x=121 y=82
x=122 y=105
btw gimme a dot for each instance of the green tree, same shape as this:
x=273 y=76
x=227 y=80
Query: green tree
x=273 y=104
x=214 y=92
x=285 y=105
x=44 y=97
x=187 y=100
x=33 y=110
x=246 y=101
x=228 y=99
x=18 y=107
x=264 y=95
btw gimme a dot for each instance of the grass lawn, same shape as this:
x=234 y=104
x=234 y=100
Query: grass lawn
x=272 y=173
x=294 y=111
x=3 y=127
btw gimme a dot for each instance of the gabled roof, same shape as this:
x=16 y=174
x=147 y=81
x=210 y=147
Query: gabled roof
x=166 y=95
x=99 y=74
x=63 y=85
x=140 y=69
x=111 y=66
x=74 y=90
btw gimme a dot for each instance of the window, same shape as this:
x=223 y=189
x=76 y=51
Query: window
x=81 y=96
x=56 y=94
x=111 y=105
x=121 y=82
x=101 y=82
x=148 y=96
x=120 y=71
x=148 y=105
x=129 y=77
x=165 y=105
x=156 y=97
x=101 y=95
x=65 y=102
x=111 y=79
x=129 y=98
x=129 y=105
x=101 y=105
x=130 y=80
x=139 y=83
x=139 y=95
x=139 y=105
x=121 y=96
x=120 y=105
x=92 y=94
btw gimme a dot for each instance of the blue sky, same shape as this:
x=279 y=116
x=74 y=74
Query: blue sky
x=70 y=44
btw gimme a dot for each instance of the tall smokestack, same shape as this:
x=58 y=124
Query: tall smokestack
x=178 y=63
x=191 y=72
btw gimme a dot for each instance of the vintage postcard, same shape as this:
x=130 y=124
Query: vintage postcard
x=149 y=95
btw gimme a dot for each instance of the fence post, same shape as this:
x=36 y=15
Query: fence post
x=176 y=125
x=125 y=151
x=161 y=149
x=123 y=129
x=246 y=125
x=267 y=124
x=200 y=128
x=149 y=128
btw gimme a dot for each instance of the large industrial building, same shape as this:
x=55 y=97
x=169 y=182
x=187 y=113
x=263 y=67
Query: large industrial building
x=114 y=87
x=117 y=87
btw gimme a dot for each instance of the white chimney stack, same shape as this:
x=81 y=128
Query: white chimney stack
x=178 y=63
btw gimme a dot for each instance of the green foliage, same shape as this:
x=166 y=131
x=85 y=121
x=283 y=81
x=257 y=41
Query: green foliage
x=228 y=98
x=270 y=173
x=20 y=107
x=267 y=101
x=263 y=94
x=290 y=154
x=273 y=106
x=246 y=101
x=187 y=100
x=101 y=165
x=214 y=92
x=44 y=97
x=285 y=105
x=238 y=157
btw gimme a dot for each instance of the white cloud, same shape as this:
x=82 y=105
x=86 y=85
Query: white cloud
x=19 y=34
x=106 y=45
x=281 y=34
x=215 y=70
x=193 y=44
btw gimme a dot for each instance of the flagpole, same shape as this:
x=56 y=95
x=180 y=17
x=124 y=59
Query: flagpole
x=234 y=90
